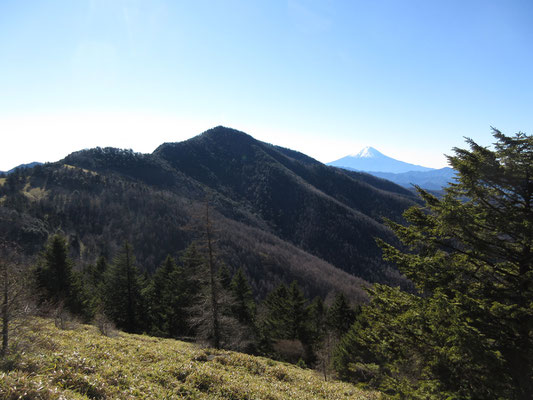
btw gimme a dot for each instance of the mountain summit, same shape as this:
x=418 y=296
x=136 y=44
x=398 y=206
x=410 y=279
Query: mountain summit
x=371 y=160
x=368 y=152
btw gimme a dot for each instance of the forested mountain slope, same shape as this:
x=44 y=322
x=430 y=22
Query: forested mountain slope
x=279 y=214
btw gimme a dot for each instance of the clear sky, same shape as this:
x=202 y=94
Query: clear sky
x=410 y=78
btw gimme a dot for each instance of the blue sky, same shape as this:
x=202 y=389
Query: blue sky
x=410 y=78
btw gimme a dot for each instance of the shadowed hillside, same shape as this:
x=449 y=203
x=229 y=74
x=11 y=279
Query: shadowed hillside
x=279 y=214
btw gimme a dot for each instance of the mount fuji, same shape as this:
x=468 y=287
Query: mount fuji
x=371 y=160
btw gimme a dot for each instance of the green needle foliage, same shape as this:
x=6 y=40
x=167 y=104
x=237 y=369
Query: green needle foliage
x=287 y=314
x=55 y=273
x=244 y=307
x=341 y=315
x=169 y=298
x=58 y=283
x=122 y=296
x=468 y=333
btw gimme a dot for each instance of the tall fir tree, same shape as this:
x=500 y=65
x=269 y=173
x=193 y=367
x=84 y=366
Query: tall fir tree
x=168 y=300
x=275 y=313
x=286 y=313
x=318 y=312
x=97 y=272
x=123 y=301
x=341 y=315
x=59 y=284
x=54 y=274
x=469 y=334
x=193 y=269
x=224 y=276
x=244 y=306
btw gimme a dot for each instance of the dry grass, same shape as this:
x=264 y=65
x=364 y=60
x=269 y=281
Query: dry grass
x=83 y=364
x=34 y=193
x=87 y=171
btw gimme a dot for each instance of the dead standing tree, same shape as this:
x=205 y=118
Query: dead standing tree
x=213 y=284
x=213 y=320
x=207 y=312
x=14 y=284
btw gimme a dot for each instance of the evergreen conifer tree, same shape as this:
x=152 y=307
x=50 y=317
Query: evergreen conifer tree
x=318 y=312
x=224 y=276
x=299 y=314
x=122 y=295
x=97 y=271
x=60 y=285
x=244 y=306
x=286 y=313
x=341 y=315
x=469 y=334
x=167 y=296
x=276 y=312
x=54 y=275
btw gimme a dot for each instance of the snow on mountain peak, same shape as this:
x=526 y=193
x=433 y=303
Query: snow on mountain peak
x=369 y=159
x=367 y=152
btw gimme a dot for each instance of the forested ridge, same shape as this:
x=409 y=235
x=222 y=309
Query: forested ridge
x=100 y=197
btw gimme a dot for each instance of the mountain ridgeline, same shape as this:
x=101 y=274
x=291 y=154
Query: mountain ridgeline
x=278 y=214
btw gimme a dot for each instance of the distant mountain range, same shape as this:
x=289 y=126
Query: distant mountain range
x=435 y=179
x=21 y=166
x=405 y=174
x=280 y=215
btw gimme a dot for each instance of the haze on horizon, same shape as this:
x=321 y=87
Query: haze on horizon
x=410 y=79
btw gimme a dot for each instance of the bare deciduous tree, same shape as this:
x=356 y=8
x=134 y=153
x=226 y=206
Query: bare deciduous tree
x=16 y=300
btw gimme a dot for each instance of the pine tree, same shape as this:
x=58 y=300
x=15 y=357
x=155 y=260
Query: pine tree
x=286 y=313
x=54 y=275
x=469 y=334
x=299 y=314
x=244 y=306
x=158 y=296
x=60 y=285
x=276 y=313
x=122 y=295
x=318 y=312
x=341 y=316
x=97 y=272
x=168 y=299
x=193 y=269
x=224 y=277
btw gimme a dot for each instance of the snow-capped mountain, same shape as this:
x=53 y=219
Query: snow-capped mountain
x=371 y=160
x=405 y=174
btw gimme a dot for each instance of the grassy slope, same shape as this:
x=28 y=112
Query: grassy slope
x=82 y=364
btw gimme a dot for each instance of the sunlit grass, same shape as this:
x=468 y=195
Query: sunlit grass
x=87 y=171
x=34 y=193
x=82 y=364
